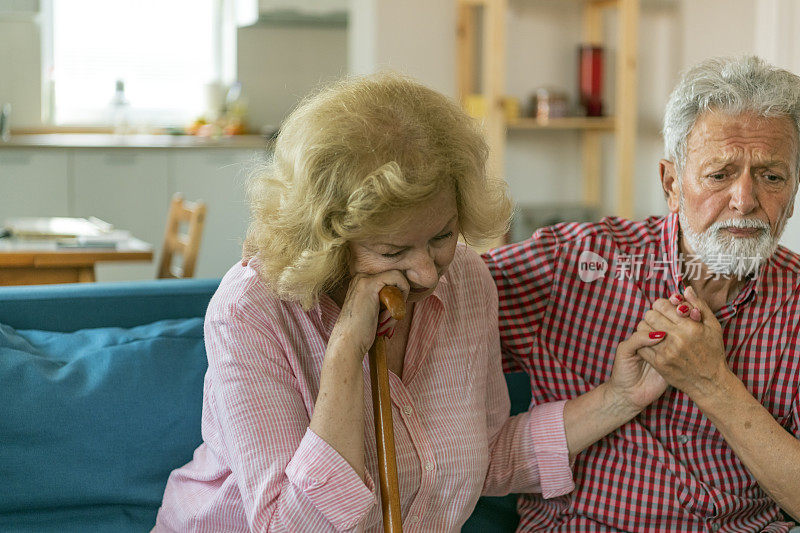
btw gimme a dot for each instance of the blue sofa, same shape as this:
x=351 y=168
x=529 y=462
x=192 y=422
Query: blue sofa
x=100 y=398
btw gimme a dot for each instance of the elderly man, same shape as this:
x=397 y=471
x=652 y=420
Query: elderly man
x=719 y=450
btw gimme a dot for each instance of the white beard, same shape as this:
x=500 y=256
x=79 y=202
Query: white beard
x=725 y=254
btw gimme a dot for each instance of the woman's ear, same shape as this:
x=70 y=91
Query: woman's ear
x=669 y=182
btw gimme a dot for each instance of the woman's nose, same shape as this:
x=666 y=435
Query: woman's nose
x=422 y=269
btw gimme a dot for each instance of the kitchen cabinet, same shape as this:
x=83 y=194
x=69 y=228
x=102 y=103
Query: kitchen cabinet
x=127 y=188
x=218 y=178
x=33 y=183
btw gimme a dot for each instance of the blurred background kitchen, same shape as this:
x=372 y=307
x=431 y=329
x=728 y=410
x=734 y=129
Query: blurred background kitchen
x=109 y=107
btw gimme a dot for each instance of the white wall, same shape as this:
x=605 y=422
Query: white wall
x=415 y=37
x=777 y=24
x=279 y=65
x=20 y=66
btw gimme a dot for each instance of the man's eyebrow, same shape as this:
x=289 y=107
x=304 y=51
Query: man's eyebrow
x=770 y=162
x=716 y=160
x=766 y=162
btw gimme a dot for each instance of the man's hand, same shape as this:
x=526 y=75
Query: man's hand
x=692 y=356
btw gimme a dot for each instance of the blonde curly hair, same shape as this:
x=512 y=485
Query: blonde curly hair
x=345 y=160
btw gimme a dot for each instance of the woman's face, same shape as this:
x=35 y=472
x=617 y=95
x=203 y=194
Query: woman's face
x=421 y=247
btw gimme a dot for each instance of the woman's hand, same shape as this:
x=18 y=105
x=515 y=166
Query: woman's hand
x=634 y=382
x=338 y=416
x=684 y=308
x=633 y=385
x=360 y=319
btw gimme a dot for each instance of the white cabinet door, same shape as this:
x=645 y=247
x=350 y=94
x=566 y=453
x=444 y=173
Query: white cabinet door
x=127 y=188
x=218 y=178
x=33 y=183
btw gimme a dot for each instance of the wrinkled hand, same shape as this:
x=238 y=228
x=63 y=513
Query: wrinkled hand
x=692 y=356
x=633 y=380
x=360 y=319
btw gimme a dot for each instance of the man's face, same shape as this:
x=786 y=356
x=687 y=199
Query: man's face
x=737 y=189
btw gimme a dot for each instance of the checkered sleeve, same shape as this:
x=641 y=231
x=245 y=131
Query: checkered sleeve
x=523 y=273
x=527 y=452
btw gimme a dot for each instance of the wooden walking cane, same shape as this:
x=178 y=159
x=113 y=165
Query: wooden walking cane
x=392 y=299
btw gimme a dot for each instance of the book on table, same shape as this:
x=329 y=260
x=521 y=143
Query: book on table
x=68 y=232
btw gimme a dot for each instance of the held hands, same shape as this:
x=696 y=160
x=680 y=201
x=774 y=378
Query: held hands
x=360 y=319
x=692 y=356
x=634 y=381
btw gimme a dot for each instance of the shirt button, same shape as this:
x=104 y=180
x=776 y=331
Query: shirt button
x=429 y=466
x=715 y=527
x=414 y=519
x=408 y=410
x=683 y=439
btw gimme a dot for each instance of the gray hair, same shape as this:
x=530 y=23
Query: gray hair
x=731 y=85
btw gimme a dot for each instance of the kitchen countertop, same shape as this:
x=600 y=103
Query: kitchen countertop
x=102 y=140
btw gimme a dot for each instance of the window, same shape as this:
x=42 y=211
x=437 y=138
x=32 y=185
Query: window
x=167 y=54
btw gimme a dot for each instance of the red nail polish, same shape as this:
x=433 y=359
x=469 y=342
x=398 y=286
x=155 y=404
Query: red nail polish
x=683 y=308
x=391 y=333
x=678 y=297
x=657 y=334
x=385 y=321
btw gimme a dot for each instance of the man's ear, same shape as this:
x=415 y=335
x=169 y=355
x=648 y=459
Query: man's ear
x=669 y=182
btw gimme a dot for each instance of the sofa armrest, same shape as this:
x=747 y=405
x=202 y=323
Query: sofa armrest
x=77 y=306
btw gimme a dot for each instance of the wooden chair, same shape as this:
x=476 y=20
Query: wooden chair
x=187 y=245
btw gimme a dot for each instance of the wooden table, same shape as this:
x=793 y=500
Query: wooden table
x=42 y=261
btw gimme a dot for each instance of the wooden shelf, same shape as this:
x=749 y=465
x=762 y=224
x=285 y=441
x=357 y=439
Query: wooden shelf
x=481 y=70
x=564 y=123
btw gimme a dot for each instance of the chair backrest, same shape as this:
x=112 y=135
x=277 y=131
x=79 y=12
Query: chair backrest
x=185 y=244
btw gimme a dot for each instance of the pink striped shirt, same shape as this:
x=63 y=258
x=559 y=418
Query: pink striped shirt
x=261 y=468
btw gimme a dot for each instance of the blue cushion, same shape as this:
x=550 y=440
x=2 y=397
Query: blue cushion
x=93 y=421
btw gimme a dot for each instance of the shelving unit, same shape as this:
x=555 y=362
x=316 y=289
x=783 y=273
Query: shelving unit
x=490 y=43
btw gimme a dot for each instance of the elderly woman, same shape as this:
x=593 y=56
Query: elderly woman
x=371 y=183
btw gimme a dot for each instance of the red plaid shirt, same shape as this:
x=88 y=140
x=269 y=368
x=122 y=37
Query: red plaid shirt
x=668 y=469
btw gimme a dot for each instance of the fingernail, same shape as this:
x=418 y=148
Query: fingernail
x=391 y=333
x=678 y=297
x=385 y=321
x=657 y=334
x=382 y=333
x=683 y=308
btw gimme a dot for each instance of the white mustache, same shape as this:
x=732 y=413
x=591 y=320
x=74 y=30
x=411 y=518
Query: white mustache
x=742 y=223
